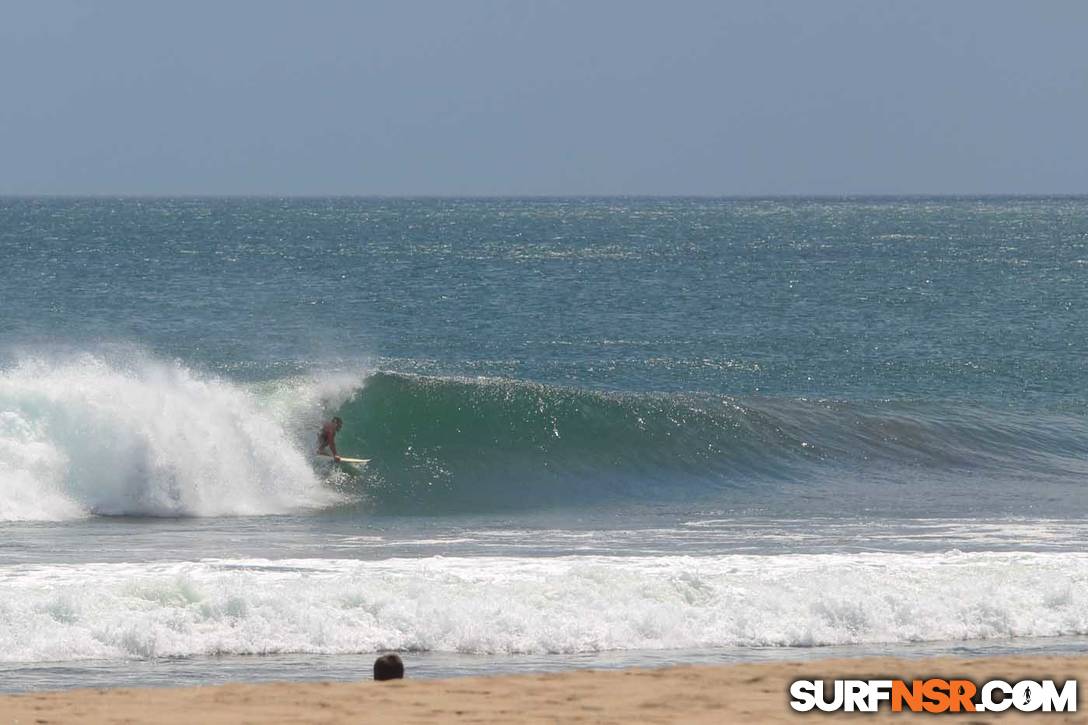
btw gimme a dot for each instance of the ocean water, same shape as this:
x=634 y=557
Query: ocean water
x=603 y=432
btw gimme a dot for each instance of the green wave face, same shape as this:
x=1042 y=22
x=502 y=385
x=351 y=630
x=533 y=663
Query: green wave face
x=499 y=444
x=442 y=444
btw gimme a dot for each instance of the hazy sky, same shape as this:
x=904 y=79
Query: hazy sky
x=465 y=97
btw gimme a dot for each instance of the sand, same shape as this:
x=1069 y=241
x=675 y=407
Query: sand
x=750 y=693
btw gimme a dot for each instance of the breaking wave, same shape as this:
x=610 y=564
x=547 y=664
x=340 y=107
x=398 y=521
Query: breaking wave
x=470 y=444
x=93 y=434
x=87 y=435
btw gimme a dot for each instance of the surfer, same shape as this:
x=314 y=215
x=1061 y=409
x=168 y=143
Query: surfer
x=327 y=438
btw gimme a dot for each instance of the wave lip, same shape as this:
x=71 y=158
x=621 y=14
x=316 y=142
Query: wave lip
x=92 y=435
x=532 y=605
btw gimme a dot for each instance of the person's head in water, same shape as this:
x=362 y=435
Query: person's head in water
x=338 y=423
x=388 y=667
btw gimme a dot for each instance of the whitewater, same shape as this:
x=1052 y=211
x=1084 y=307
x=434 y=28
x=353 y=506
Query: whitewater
x=85 y=436
x=560 y=605
x=94 y=437
x=604 y=432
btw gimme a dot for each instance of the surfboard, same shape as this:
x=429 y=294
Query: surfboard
x=345 y=459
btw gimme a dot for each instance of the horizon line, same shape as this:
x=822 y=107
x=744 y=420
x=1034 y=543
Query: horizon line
x=547 y=197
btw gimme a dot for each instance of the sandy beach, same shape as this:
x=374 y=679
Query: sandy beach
x=728 y=693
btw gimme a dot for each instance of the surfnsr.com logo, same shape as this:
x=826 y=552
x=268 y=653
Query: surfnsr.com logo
x=933 y=695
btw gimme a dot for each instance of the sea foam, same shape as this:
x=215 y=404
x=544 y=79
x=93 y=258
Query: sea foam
x=534 y=605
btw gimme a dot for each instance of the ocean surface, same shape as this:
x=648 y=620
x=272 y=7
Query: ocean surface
x=603 y=432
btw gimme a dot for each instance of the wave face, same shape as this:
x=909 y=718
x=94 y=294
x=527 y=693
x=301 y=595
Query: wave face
x=470 y=444
x=525 y=605
x=129 y=435
x=91 y=435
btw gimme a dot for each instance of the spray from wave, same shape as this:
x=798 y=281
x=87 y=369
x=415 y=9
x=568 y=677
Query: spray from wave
x=92 y=435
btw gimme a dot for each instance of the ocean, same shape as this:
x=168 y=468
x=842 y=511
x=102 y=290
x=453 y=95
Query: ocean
x=604 y=432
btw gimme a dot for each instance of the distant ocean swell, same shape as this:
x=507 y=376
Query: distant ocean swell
x=515 y=605
x=90 y=434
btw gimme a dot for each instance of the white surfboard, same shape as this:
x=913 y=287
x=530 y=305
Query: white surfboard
x=345 y=459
